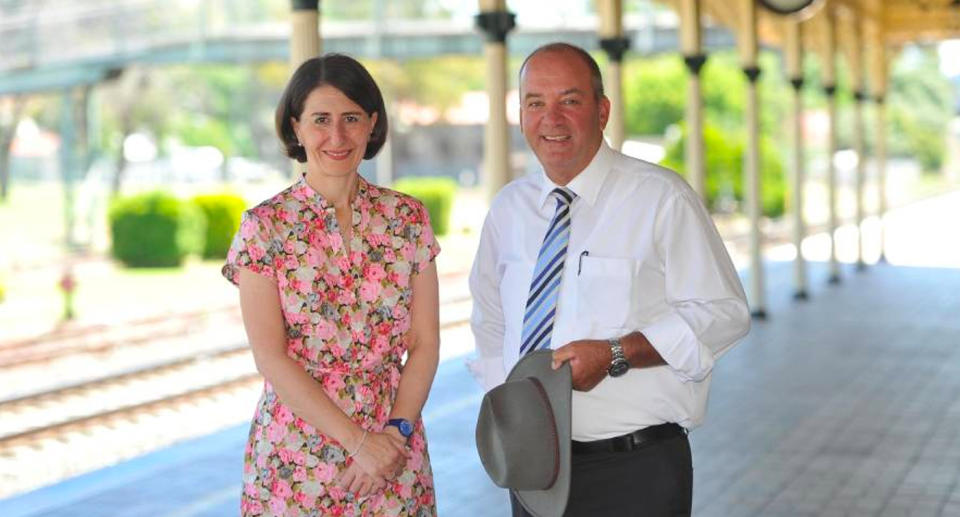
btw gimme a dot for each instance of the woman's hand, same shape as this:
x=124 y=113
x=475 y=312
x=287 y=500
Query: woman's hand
x=355 y=480
x=381 y=456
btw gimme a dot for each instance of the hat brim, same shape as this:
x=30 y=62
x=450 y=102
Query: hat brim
x=558 y=385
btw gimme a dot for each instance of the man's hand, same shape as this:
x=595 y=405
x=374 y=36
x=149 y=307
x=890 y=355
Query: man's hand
x=589 y=360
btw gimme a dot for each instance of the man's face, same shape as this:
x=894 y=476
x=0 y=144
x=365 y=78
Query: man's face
x=559 y=115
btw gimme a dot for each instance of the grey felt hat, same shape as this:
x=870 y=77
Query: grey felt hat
x=523 y=434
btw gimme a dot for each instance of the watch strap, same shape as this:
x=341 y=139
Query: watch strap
x=403 y=425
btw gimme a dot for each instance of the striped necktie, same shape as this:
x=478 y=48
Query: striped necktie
x=545 y=288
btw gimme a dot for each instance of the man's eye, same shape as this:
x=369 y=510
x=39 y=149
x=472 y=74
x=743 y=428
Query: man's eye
x=535 y=104
x=571 y=101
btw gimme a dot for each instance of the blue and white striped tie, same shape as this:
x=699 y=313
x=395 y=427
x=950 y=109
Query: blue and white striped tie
x=545 y=288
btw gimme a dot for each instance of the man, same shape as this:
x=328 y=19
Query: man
x=615 y=264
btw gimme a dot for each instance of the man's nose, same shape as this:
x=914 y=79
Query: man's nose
x=553 y=112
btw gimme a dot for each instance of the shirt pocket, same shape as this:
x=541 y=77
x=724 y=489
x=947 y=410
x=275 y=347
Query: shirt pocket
x=605 y=287
x=514 y=287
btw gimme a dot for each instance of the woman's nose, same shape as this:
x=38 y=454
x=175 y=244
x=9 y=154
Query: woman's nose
x=339 y=132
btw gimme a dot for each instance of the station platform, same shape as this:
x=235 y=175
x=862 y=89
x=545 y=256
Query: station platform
x=845 y=404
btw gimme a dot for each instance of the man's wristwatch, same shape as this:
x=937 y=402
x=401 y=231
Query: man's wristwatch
x=403 y=425
x=618 y=363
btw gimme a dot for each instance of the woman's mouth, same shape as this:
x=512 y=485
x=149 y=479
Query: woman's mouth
x=337 y=155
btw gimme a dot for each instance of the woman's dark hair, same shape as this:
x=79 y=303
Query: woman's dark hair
x=343 y=73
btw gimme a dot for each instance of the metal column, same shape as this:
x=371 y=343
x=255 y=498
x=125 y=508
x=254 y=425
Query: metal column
x=793 y=51
x=747 y=43
x=693 y=56
x=615 y=44
x=496 y=22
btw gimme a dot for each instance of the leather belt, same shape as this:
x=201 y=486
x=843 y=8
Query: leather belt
x=629 y=442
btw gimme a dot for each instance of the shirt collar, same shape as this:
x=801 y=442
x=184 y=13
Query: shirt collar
x=320 y=204
x=586 y=185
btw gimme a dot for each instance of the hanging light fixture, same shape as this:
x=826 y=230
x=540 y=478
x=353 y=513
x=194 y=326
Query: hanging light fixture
x=801 y=9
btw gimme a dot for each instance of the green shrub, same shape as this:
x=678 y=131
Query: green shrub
x=724 y=168
x=929 y=148
x=155 y=229
x=436 y=193
x=222 y=213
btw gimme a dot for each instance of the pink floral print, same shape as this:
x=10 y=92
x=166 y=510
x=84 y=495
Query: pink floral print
x=346 y=316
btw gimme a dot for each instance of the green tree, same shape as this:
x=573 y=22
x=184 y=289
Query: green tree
x=139 y=100
x=655 y=93
x=724 y=152
x=920 y=107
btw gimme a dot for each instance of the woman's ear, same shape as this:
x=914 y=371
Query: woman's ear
x=295 y=126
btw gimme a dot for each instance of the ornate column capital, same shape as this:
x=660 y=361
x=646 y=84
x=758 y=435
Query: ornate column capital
x=615 y=47
x=752 y=73
x=305 y=5
x=496 y=24
x=695 y=62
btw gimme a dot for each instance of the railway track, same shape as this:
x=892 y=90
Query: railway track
x=102 y=338
x=34 y=417
x=79 y=399
x=31 y=418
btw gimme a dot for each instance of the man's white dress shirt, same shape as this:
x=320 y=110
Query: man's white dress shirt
x=643 y=255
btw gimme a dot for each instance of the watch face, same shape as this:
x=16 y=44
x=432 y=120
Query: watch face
x=402 y=425
x=618 y=368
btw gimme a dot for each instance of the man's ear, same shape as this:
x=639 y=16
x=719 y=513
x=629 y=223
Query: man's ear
x=604 y=109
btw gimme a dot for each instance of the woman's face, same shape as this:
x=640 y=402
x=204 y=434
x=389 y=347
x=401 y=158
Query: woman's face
x=334 y=132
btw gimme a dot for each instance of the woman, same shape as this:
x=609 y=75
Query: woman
x=337 y=282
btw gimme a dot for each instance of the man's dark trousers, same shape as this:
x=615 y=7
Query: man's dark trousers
x=655 y=480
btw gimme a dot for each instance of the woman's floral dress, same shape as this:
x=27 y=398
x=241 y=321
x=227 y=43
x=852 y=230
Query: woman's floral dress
x=346 y=317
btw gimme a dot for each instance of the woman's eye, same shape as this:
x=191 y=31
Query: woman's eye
x=320 y=120
x=352 y=118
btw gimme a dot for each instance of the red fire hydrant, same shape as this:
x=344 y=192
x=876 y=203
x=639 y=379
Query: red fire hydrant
x=68 y=285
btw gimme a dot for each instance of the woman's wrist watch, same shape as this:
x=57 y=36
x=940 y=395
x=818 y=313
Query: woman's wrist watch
x=618 y=363
x=403 y=425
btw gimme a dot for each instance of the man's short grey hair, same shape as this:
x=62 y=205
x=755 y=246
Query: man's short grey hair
x=596 y=80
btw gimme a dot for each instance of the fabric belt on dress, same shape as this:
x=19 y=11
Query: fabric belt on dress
x=629 y=442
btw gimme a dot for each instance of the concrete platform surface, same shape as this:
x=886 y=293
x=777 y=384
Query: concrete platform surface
x=845 y=404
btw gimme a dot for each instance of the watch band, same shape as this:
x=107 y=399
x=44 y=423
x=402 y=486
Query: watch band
x=618 y=360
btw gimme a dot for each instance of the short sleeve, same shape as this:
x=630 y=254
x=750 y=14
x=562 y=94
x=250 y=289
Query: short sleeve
x=253 y=248
x=426 y=245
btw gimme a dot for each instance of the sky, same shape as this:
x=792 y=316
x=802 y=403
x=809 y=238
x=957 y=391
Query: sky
x=950 y=57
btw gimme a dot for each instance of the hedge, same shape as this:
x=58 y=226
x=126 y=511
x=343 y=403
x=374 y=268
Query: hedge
x=155 y=229
x=222 y=213
x=436 y=193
